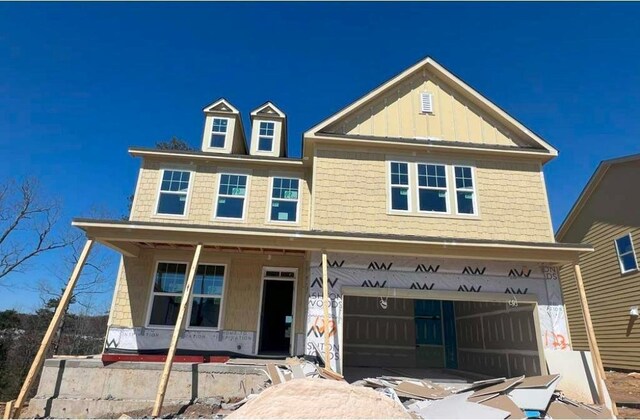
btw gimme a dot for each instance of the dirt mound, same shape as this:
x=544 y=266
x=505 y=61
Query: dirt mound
x=320 y=398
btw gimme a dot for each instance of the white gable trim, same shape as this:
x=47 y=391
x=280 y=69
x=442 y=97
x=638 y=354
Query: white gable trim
x=445 y=75
x=215 y=107
x=269 y=105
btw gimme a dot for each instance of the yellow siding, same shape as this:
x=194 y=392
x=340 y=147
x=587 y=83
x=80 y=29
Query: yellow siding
x=609 y=214
x=203 y=192
x=351 y=196
x=242 y=290
x=396 y=113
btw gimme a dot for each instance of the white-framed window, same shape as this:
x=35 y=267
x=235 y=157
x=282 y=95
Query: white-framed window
x=399 y=185
x=432 y=188
x=174 y=191
x=266 y=136
x=626 y=254
x=206 y=300
x=232 y=193
x=285 y=197
x=465 y=190
x=219 y=127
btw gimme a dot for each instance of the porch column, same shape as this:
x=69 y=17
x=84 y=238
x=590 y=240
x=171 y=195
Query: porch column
x=177 y=331
x=591 y=335
x=51 y=330
x=325 y=307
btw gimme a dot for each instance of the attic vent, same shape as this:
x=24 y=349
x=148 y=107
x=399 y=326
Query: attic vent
x=426 y=102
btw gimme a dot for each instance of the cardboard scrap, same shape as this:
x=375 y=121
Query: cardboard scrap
x=499 y=387
x=505 y=403
x=422 y=391
x=480 y=384
x=274 y=374
x=535 y=398
x=456 y=406
x=481 y=398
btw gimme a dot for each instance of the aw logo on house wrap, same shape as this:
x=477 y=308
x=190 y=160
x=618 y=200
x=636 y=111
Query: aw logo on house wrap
x=373 y=265
x=477 y=271
x=369 y=283
x=318 y=282
x=517 y=291
x=316 y=300
x=421 y=286
x=514 y=272
x=334 y=263
x=421 y=268
x=112 y=344
x=464 y=288
x=318 y=329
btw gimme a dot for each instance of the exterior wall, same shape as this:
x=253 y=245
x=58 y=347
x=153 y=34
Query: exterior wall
x=351 y=195
x=203 y=192
x=397 y=113
x=611 y=212
x=241 y=300
x=425 y=277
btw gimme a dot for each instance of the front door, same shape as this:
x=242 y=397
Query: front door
x=276 y=325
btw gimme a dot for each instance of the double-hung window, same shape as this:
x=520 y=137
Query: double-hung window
x=626 y=254
x=265 y=136
x=206 y=299
x=207 y=296
x=232 y=192
x=465 y=194
x=174 y=190
x=219 y=128
x=399 y=186
x=432 y=188
x=284 y=200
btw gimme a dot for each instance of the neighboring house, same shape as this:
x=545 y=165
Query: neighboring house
x=606 y=216
x=428 y=200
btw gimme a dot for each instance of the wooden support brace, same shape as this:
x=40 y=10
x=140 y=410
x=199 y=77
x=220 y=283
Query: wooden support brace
x=591 y=335
x=53 y=327
x=177 y=332
x=325 y=307
x=7 y=409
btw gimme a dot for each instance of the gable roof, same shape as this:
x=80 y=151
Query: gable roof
x=268 y=109
x=221 y=105
x=589 y=189
x=449 y=78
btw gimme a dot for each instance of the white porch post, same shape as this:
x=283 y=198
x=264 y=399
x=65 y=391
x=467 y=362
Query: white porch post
x=177 y=331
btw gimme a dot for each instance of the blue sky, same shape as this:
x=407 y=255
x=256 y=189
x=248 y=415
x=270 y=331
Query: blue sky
x=80 y=82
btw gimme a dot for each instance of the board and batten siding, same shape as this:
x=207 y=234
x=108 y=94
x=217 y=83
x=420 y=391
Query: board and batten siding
x=241 y=300
x=397 y=113
x=610 y=212
x=351 y=195
x=203 y=192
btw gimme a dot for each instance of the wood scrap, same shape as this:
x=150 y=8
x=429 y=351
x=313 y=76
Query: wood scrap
x=274 y=374
x=421 y=391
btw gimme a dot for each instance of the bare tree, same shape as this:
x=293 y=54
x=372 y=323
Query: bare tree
x=174 y=143
x=27 y=226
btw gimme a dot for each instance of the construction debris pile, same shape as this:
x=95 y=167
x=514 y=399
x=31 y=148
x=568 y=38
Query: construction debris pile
x=299 y=391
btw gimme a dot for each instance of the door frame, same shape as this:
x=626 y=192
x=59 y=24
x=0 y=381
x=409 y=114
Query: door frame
x=263 y=277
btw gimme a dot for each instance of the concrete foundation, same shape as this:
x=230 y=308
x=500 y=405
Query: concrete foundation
x=73 y=388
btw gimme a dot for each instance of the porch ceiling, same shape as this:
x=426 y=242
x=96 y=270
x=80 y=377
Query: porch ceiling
x=129 y=237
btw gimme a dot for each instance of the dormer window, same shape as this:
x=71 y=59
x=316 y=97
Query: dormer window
x=219 y=132
x=265 y=139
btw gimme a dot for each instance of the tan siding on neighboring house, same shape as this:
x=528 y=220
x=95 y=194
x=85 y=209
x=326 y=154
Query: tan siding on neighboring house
x=610 y=213
x=397 y=113
x=351 y=196
x=242 y=289
x=200 y=206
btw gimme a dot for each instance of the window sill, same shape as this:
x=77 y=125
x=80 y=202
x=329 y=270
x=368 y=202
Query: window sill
x=228 y=220
x=629 y=273
x=172 y=327
x=170 y=216
x=474 y=217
